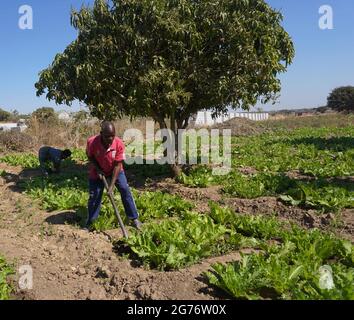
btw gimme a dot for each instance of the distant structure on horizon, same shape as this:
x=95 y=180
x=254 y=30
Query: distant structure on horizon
x=19 y=126
x=204 y=118
x=64 y=116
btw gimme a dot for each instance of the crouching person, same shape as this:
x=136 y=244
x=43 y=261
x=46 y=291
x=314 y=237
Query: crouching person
x=52 y=156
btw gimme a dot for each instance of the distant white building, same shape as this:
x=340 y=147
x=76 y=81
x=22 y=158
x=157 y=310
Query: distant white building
x=64 y=116
x=204 y=118
x=19 y=126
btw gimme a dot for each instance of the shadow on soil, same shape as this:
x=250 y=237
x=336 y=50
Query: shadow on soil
x=211 y=289
x=65 y=217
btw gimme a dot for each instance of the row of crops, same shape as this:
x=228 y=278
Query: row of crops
x=30 y=161
x=287 y=262
x=325 y=157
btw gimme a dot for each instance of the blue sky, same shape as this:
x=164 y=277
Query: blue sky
x=323 y=57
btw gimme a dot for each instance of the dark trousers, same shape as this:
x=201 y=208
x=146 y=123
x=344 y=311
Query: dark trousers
x=96 y=188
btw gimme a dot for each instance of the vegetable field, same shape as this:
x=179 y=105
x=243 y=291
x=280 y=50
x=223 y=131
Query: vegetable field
x=5 y=271
x=309 y=170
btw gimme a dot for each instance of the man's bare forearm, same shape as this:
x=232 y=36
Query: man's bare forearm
x=96 y=165
x=117 y=169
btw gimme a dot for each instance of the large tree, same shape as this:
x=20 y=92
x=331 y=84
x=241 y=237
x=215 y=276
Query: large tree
x=341 y=99
x=45 y=115
x=168 y=59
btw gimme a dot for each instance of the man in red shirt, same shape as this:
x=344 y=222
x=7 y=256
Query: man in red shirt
x=106 y=154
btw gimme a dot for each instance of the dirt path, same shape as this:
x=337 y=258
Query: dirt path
x=69 y=263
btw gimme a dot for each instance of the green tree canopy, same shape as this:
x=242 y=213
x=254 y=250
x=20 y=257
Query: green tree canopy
x=45 y=115
x=168 y=59
x=4 y=115
x=341 y=99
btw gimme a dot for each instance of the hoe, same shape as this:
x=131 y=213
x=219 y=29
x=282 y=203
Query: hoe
x=110 y=195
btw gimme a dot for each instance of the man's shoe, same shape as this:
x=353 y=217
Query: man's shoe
x=137 y=224
x=88 y=228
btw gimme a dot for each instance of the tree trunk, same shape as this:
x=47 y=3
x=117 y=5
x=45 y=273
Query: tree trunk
x=175 y=124
x=176 y=167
